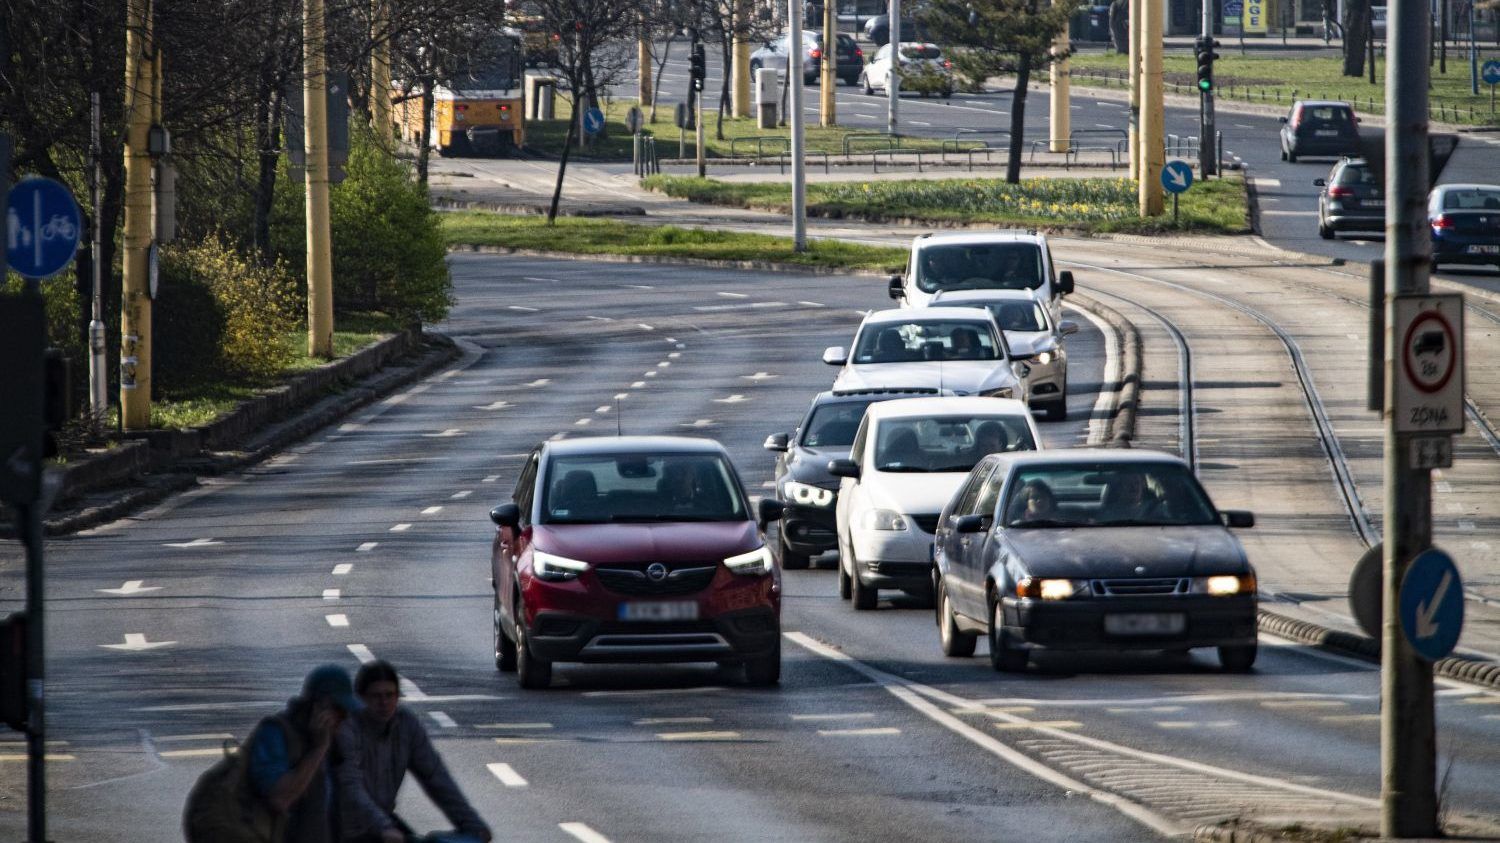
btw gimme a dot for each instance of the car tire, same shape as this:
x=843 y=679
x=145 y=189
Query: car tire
x=1002 y=658
x=1238 y=658
x=505 y=649
x=765 y=670
x=532 y=673
x=1283 y=153
x=1291 y=156
x=1325 y=231
x=865 y=597
x=955 y=642
x=864 y=79
x=791 y=560
x=1057 y=410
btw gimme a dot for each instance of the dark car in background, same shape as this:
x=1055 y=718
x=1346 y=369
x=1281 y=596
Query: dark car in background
x=1465 y=223
x=1091 y=550
x=1319 y=128
x=633 y=549
x=807 y=490
x=1352 y=199
x=878 y=30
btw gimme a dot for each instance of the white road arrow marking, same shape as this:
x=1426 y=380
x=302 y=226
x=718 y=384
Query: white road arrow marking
x=131 y=587
x=733 y=399
x=495 y=405
x=194 y=543
x=1426 y=612
x=136 y=642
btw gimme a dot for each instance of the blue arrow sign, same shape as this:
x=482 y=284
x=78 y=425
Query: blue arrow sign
x=1491 y=72
x=593 y=121
x=1432 y=604
x=1176 y=176
x=42 y=227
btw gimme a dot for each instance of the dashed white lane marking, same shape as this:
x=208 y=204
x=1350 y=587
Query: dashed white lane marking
x=342 y=569
x=547 y=280
x=762 y=376
x=599 y=318
x=540 y=382
x=201 y=752
x=857 y=715
x=493 y=405
x=432 y=510
x=506 y=775
x=602 y=408
x=366 y=547
x=350 y=427
x=673 y=355
x=672 y=721
x=811 y=304
x=698 y=424
x=337 y=620
x=583 y=422
x=521 y=308
x=637 y=384
x=644 y=327
x=1147 y=709
x=130 y=588
x=638 y=286
x=650 y=374
x=734 y=295
x=732 y=399
x=561 y=434
x=330 y=594
x=663 y=364
x=209 y=542
x=362 y=653
x=400 y=528
x=919 y=123
x=1039 y=724
x=655 y=692
x=1280 y=704
x=581 y=831
x=490 y=478
x=202 y=736
x=458 y=496
x=447 y=434
x=753 y=305
x=698 y=736
x=859 y=733
x=1350 y=718
x=443 y=720
x=1197 y=724
x=530 y=727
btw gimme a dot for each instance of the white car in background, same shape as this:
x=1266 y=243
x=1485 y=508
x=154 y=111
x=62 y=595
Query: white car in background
x=981 y=260
x=952 y=351
x=1032 y=336
x=906 y=462
x=917 y=60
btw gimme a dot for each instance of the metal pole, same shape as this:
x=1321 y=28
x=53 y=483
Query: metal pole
x=1059 y=118
x=1133 y=63
x=1443 y=36
x=1153 y=150
x=828 y=78
x=1408 y=749
x=798 y=119
x=98 y=377
x=893 y=87
x=699 y=151
x=30 y=524
x=1208 y=162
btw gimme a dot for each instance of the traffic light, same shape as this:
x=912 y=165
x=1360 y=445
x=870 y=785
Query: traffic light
x=14 y=710
x=699 y=66
x=1203 y=50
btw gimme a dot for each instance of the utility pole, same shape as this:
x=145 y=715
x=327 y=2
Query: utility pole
x=141 y=107
x=319 y=253
x=98 y=376
x=1408 y=741
x=643 y=59
x=828 y=79
x=798 y=119
x=1133 y=63
x=1153 y=134
x=380 y=71
x=739 y=82
x=1060 y=117
x=893 y=87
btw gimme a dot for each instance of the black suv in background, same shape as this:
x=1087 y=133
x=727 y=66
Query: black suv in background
x=1352 y=199
x=1319 y=128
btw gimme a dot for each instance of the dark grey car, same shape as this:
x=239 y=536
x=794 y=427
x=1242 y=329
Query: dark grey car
x=1091 y=550
x=1319 y=128
x=1352 y=199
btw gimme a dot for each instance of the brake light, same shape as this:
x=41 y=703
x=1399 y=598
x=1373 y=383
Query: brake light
x=858 y=52
x=816 y=53
x=1296 y=118
x=1442 y=221
x=1337 y=192
x=947 y=64
x=462 y=107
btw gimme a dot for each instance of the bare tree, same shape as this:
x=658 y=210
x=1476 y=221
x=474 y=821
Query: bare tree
x=1356 y=35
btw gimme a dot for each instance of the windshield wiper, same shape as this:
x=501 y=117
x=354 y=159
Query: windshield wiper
x=902 y=469
x=1041 y=522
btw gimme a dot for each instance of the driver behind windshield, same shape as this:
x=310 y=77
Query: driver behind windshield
x=1128 y=497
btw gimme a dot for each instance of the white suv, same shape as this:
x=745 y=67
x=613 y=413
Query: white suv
x=950 y=350
x=1005 y=260
x=907 y=460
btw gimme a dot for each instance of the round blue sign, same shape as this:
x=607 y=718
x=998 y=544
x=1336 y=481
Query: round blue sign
x=1491 y=72
x=1176 y=176
x=42 y=227
x=1432 y=604
x=593 y=121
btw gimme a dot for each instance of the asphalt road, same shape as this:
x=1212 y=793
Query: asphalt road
x=371 y=539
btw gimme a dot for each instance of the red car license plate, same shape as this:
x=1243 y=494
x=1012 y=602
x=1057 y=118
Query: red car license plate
x=676 y=610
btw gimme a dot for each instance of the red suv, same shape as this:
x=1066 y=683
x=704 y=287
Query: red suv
x=634 y=549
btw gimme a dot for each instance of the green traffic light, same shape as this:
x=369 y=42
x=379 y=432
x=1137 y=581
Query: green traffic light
x=1205 y=85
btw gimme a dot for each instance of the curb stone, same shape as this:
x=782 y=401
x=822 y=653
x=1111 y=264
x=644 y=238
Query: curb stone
x=1128 y=396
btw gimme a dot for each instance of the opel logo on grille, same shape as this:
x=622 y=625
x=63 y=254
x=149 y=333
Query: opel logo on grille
x=656 y=571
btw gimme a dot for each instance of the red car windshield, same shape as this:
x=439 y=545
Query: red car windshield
x=640 y=488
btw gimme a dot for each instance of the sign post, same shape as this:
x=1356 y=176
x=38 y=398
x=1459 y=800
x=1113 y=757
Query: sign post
x=1176 y=178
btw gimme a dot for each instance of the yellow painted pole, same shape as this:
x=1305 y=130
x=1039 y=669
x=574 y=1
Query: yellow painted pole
x=135 y=311
x=1060 y=117
x=1133 y=63
x=380 y=70
x=739 y=61
x=319 y=255
x=1153 y=131
x=828 y=79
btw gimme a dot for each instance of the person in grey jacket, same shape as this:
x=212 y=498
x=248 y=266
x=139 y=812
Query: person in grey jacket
x=377 y=748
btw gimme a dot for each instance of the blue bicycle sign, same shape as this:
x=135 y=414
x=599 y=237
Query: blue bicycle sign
x=42 y=228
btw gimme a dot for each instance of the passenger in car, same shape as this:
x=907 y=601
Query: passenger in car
x=990 y=438
x=1034 y=501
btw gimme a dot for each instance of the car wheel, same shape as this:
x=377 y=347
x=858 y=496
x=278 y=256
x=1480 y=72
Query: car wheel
x=1239 y=658
x=863 y=595
x=845 y=587
x=1283 y=153
x=791 y=560
x=864 y=79
x=531 y=672
x=1002 y=657
x=1325 y=231
x=955 y=642
x=1291 y=156
x=1057 y=410
x=505 y=649
x=765 y=670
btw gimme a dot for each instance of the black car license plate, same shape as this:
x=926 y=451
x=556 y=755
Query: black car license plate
x=1145 y=623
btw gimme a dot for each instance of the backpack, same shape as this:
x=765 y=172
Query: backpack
x=223 y=806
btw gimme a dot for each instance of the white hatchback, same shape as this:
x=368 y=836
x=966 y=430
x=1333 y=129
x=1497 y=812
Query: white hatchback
x=923 y=68
x=907 y=460
x=952 y=351
x=1033 y=337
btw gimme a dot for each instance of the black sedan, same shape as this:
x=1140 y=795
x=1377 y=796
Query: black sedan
x=803 y=484
x=1091 y=550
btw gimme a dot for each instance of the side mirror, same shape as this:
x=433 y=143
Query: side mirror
x=1065 y=282
x=769 y=510
x=1237 y=518
x=1320 y=182
x=1067 y=326
x=895 y=288
x=777 y=442
x=969 y=524
x=843 y=468
x=835 y=355
x=1021 y=370
x=1282 y=118
x=506 y=515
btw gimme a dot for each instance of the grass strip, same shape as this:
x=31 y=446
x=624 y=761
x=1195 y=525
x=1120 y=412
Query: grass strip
x=1068 y=204
x=589 y=236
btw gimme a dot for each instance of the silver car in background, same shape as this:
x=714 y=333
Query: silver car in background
x=1033 y=338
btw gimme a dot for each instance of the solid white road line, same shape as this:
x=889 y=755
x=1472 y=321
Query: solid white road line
x=342 y=569
x=1099 y=418
x=337 y=620
x=582 y=832
x=366 y=547
x=507 y=776
x=330 y=594
x=698 y=736
x=859 y=733
x=671 y=721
